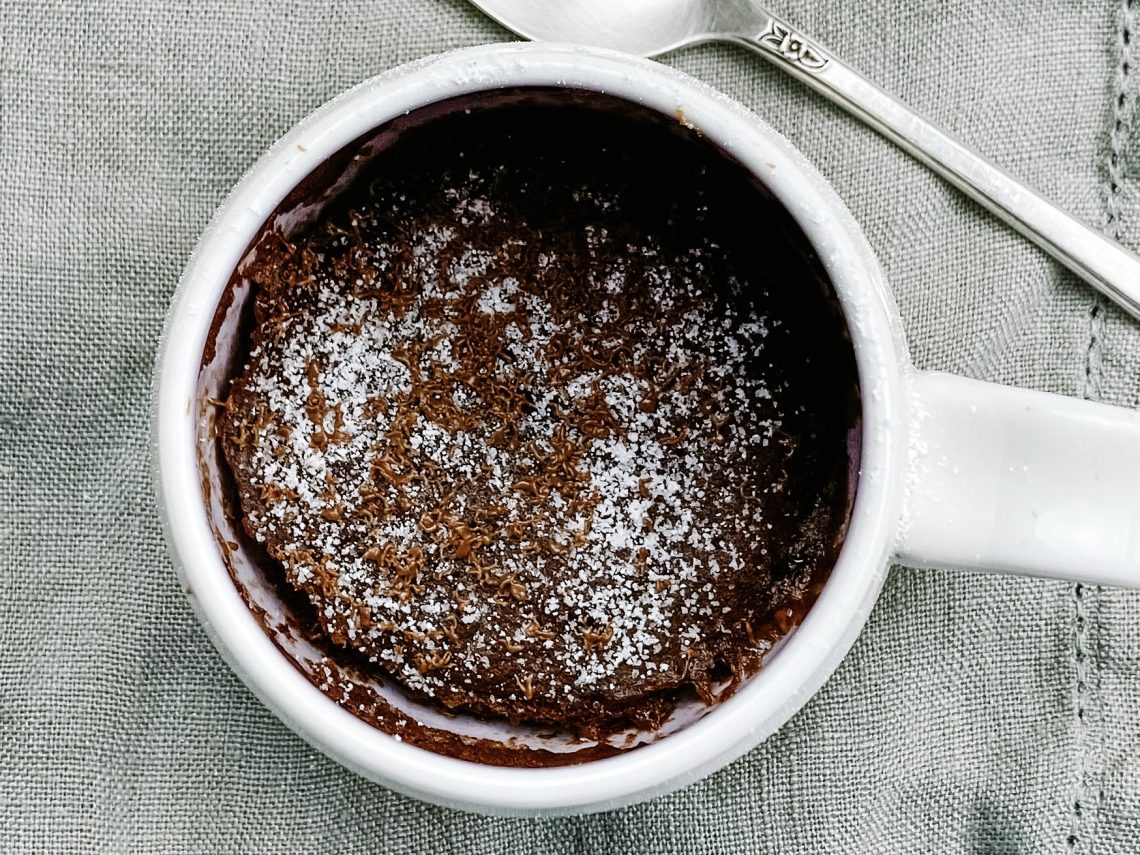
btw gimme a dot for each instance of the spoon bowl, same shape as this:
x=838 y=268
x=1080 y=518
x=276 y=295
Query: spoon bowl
x=643 y=27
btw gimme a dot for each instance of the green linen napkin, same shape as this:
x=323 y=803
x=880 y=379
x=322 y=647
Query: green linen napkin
x=976 y=714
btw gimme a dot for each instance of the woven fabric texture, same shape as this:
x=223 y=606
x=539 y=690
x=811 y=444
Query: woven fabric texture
x=976 y=714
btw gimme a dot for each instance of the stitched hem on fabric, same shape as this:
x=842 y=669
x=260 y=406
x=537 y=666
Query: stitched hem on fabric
x=1086 y=599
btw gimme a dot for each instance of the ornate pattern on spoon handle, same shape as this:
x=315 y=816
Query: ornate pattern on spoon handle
x=791 y=46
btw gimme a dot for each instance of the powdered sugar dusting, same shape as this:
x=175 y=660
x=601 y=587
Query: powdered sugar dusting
x=513 y=480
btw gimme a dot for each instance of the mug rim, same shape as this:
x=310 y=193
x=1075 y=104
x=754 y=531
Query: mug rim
x=809 y=655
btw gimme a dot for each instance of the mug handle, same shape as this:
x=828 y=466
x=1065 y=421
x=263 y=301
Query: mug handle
x=1016 y=481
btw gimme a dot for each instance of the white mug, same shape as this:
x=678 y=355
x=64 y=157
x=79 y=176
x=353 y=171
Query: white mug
x=954 y=473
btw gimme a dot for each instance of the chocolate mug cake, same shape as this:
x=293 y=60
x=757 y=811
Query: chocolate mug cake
x=548 y=417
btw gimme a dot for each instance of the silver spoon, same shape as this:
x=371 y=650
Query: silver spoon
x=652 y=27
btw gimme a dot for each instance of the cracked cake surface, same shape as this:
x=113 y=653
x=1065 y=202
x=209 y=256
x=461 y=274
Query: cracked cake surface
x=537 y=436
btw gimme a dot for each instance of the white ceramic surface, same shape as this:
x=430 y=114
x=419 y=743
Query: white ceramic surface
x=950 y=450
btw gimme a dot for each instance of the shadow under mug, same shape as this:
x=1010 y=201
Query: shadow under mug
x=954 y=473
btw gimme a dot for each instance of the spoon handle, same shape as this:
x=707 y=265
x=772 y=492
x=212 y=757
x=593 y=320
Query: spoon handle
x=1102 y=262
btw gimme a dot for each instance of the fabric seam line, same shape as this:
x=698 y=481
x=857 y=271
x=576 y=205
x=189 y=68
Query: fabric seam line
x=1086 y=633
